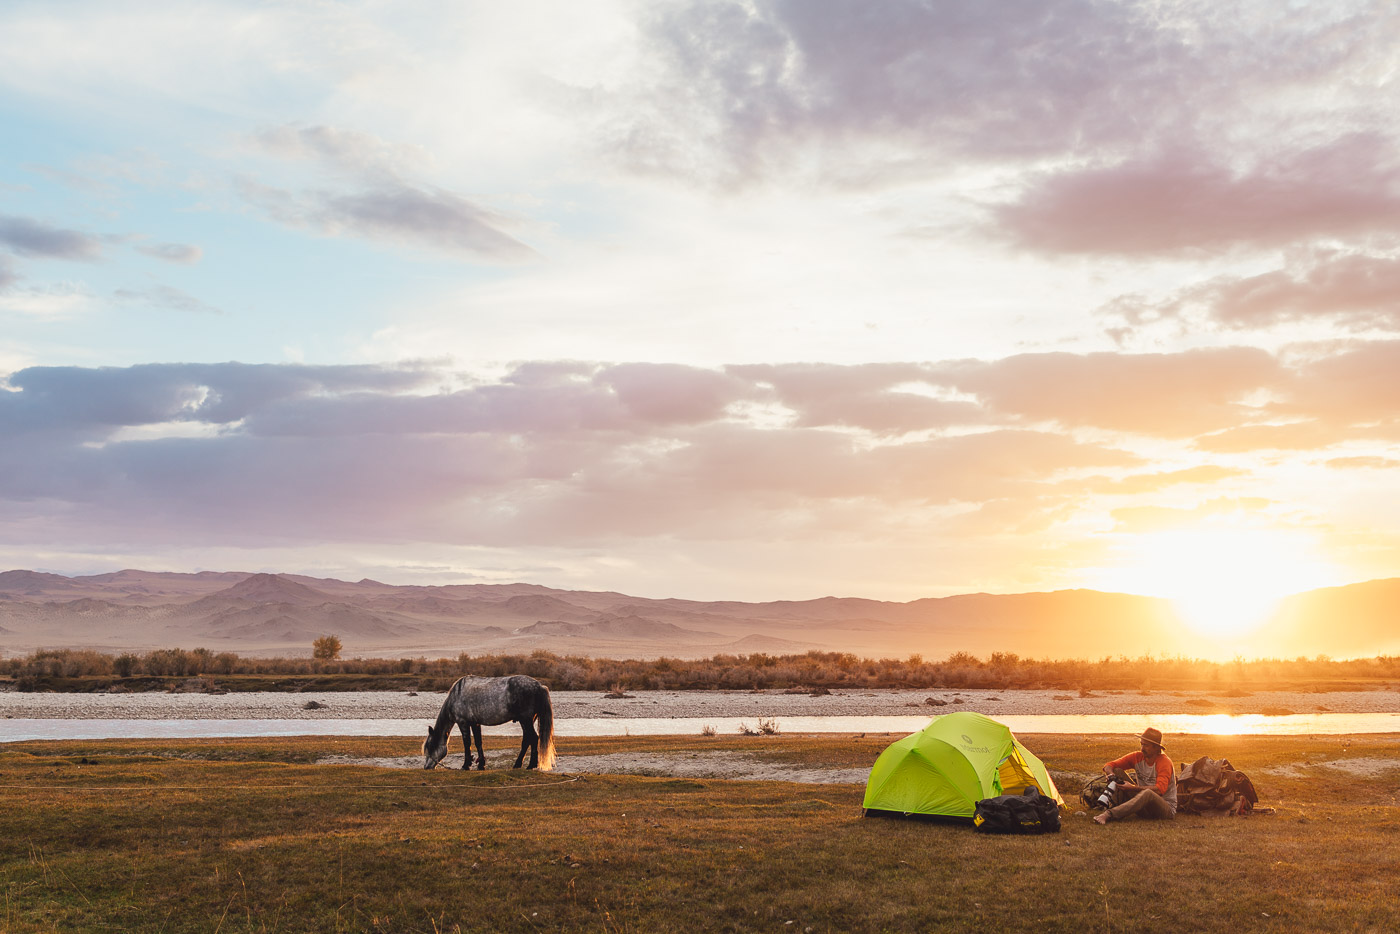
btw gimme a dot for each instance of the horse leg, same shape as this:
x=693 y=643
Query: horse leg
x=466 y=730
x=530 y=740
x=480 y=756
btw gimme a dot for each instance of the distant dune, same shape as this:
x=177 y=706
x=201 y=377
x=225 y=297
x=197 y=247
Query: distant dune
x=283 y=613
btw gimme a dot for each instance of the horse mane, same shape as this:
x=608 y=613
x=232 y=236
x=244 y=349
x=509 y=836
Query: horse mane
x=443 y=726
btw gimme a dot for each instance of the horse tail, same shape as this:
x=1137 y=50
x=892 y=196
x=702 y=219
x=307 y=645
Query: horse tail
x=544 y=710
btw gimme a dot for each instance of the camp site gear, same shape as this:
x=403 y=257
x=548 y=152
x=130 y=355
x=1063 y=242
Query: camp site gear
x=947 y=767
x=1094 y=792
x=1029 y=812
x=1214 y=786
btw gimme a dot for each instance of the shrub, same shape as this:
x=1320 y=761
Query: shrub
x=326 y=648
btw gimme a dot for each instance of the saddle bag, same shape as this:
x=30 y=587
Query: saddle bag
x=1211 y=786
x=1028 y=812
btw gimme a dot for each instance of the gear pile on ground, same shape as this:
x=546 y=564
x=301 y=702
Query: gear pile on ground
x=1214 y=786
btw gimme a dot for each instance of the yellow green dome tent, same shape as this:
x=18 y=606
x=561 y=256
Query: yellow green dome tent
x=950 y=765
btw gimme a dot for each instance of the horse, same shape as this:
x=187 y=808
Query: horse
x=472 y=702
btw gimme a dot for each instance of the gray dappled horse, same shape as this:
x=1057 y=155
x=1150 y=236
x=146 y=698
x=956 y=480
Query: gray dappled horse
x=474 y=701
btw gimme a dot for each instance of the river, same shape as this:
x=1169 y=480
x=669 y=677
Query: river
x=21 y=729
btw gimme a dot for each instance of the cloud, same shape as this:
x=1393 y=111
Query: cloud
x=1170 y=395
x=743 y=91
x=79 y=400
x=1349 y=394
x=1162 y=518
x=1355 y=385
x=1363 y=462
x=397 y=212
x=672 y=394
x=574 y=454
x=1289 y=436
x=550 y=453
x=748 y=84
x=1356 y=290
x=164 y=296
x=545 y=399
x=361 y=153
x=183 y=253
x=875 y=397
x=1153 y=482
x=53 y=302
x=36 y=239
x=379 y=199
x=1186 y=200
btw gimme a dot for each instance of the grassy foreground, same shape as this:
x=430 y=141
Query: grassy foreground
x=252 y=835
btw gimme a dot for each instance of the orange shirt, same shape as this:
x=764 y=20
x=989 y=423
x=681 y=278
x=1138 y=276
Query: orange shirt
x=1161 y=764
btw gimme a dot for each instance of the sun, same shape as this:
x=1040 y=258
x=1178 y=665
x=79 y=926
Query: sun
x=1224 y=581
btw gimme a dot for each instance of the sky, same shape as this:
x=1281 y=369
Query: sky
x=758 y=300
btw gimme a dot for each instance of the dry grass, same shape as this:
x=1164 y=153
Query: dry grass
x=248 y=835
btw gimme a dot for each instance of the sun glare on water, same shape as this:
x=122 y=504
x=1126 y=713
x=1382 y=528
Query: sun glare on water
x=1224 y=583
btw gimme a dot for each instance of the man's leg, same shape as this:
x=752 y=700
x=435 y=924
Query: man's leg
x=1146 y=803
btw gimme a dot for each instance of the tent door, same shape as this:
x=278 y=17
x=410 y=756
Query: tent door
x=1014 y=777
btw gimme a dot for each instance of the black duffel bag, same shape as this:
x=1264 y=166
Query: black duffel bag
x=1028 y=812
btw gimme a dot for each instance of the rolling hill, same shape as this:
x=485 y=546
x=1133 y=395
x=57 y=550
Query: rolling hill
x=282 y=614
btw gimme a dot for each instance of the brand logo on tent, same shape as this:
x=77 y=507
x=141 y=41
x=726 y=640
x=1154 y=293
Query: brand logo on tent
x=967 y=744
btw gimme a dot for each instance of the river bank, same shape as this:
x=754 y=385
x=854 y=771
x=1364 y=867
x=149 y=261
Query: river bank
x=690 y=704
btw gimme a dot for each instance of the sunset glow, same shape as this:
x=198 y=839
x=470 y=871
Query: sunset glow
x=1224 y=582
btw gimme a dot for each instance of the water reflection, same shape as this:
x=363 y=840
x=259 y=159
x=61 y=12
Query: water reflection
x=16 y=730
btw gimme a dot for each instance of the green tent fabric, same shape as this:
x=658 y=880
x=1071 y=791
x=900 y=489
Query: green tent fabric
x=950 y=765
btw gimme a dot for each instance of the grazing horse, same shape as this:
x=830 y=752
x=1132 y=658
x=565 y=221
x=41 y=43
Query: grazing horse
x=474 y=701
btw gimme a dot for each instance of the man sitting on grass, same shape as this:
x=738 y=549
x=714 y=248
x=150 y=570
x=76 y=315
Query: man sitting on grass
x=1153 y=795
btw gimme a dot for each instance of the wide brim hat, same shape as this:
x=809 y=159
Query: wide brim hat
x=1153 y=736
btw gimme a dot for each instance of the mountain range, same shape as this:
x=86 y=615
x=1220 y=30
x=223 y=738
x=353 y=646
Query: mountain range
x=281 y=614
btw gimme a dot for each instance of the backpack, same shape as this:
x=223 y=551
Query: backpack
x=1028 y=812
x=1098 y=787
x=1211 y=786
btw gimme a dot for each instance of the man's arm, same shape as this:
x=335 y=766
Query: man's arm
x=1164 y=775
x=1126 y=762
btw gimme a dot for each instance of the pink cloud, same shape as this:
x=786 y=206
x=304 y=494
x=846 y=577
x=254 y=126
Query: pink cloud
x=1172 y=395
x=870 y=396
x=1187 y=200
x=1356 y=290
x=736 y=90
x=578 y=453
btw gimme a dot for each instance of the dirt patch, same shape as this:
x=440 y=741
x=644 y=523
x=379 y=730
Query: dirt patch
x=1362 y=767
x=733 y=766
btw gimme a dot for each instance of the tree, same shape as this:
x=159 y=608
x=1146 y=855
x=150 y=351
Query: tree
x=326 y=648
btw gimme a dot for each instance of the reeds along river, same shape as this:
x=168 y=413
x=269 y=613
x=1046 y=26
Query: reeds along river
x=17 y=730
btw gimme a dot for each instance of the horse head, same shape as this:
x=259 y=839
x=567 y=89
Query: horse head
x=434 y=748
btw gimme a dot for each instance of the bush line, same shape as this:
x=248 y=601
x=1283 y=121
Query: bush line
x=80 y=669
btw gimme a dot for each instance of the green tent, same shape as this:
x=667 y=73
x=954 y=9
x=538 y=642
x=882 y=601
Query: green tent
x=950 y=765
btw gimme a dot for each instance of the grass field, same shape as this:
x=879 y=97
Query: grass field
x=252 y=835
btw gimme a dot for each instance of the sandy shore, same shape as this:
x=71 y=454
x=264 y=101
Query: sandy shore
x=376 y=705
